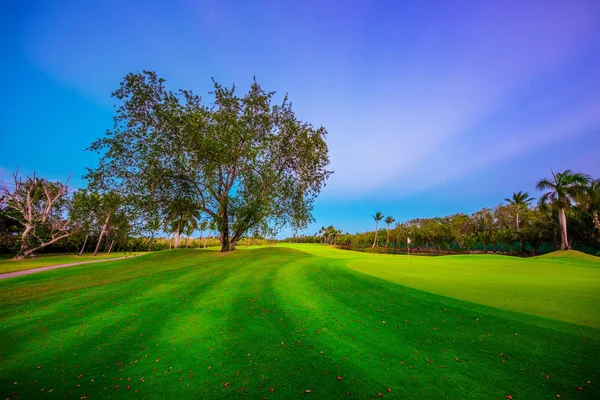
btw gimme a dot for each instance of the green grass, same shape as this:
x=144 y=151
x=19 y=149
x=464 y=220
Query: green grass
x=44 y=261
x=275 y=322
x=565 y=286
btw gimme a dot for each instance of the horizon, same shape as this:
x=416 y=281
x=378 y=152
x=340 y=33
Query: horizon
x=420 y=102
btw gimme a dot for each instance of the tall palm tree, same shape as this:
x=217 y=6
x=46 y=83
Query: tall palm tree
x=562 y=189
x=389 y=220
x=377 y=217
x=519 y=201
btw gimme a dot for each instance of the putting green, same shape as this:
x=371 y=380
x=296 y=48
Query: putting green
x=282 y=323
x=564 y=286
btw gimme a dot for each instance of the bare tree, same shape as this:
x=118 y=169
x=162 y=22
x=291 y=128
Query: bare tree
x=39 y=205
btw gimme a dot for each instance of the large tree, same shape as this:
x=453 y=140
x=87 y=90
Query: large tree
x=39 y=206
x=561 y=190
x=248 y=163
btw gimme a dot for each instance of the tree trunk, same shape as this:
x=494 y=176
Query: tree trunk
x=224 y=228
x=177 y=238
x=111 y=246
x=562 y=219
x=596 y=220
x=32 y=250
x=518 y=233
x=375 y=241
x=151 y=240
x=83 y=247
x=387 y=239
x=102 y=232
x=23 y=252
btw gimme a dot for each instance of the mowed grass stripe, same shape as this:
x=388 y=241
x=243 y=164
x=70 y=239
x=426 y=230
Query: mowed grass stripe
x=565 y=287
x=272 y=323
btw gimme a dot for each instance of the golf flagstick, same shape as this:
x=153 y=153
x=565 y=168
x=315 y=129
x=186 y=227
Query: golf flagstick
x=408 y=244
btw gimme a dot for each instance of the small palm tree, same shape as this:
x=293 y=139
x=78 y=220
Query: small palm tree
x=519 y=201
x=484 y=238
x=182 y=212
x=562 y=189
x=377 y=217
x=389 y=220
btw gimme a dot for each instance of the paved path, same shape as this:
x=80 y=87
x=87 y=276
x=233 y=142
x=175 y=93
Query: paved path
x=49 y=267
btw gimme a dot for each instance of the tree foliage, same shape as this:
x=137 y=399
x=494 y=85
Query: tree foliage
x=247 y=163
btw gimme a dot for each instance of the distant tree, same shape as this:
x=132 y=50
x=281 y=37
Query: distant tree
x=83 y=213
x=377 y=217
x=561 y=190
x=389 y=220
x=10 y=229
x=519 y=201
x=110 y=203
x=39 y=206
x=249 y=164
x=182 y=214
x=471 y=241
x=484 y=237
x=202 y=226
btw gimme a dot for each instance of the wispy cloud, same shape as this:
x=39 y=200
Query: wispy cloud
x=458 y=78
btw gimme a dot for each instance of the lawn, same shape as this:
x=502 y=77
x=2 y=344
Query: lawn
x=300 y=321
x=44 y=261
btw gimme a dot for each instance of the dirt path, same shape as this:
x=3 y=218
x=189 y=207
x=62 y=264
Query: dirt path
x=49 y=267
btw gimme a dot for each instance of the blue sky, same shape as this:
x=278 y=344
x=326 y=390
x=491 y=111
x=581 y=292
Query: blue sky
x=432 y=107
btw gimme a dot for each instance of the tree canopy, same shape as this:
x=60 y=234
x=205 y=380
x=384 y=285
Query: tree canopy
x=248 y=164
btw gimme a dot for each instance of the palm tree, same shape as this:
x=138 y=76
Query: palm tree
x=484 y=237
x=519 y=201
x=562 y=189
x=377 y=217
x=181 y=214
x=189 y=228
x=389 y=220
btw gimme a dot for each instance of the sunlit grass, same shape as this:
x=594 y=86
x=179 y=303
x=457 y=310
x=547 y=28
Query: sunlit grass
x=279 y=323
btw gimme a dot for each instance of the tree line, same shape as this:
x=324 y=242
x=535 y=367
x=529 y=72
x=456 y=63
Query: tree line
x=567 y=211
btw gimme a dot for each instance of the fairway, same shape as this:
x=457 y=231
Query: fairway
x=304 y=321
